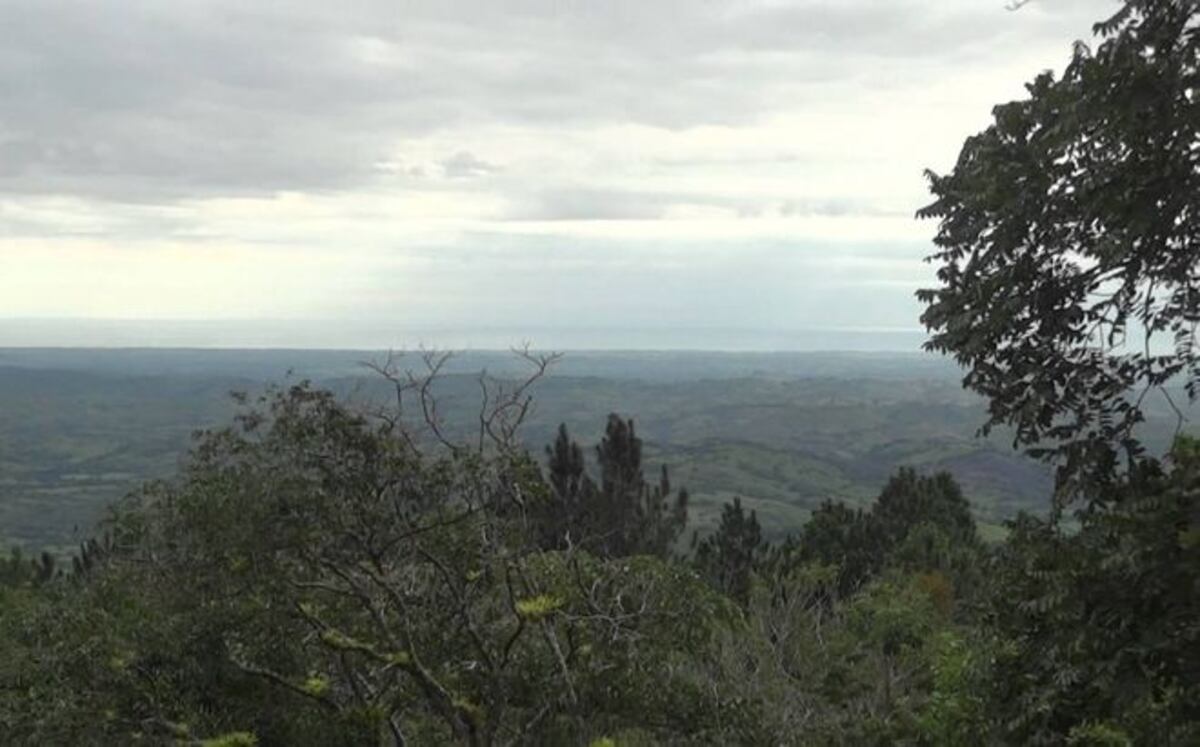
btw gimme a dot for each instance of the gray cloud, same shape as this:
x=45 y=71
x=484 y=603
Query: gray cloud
x=465 y=165
x=584 y=203
x=574 y=203
x=158 y=102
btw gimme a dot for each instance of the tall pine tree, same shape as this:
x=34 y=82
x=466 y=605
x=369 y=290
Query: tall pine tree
x=727 y=556
x=623 y=514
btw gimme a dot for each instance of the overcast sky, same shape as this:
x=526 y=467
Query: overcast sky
x=521 y=166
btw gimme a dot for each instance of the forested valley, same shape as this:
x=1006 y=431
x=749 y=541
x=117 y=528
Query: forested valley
x=334 y=569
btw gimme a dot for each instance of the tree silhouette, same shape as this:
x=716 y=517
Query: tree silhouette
x=727 y=556
x=621 y=515
x=1069 y=246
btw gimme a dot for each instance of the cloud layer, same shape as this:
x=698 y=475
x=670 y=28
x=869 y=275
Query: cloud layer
x=371 y=133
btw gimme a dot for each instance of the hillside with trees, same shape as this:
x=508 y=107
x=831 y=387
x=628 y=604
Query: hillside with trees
x=784 y=432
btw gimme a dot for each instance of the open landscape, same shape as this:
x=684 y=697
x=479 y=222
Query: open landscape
x=783 y=431
x=504 y=373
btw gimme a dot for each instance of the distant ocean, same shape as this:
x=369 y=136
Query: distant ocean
x=343 y=335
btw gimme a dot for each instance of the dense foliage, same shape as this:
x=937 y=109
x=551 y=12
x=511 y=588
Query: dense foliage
x=316 y=576
x=1068 y=246
x=618 y=516
x=1102 y=626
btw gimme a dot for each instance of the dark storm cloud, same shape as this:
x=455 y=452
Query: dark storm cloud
x=158 y=101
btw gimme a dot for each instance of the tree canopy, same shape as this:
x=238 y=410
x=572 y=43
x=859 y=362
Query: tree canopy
x=620 y=514
x=1068 y=256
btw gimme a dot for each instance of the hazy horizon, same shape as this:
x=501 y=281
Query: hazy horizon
x=360 y=335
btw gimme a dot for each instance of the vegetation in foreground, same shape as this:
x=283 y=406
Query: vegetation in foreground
x=319 y=576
